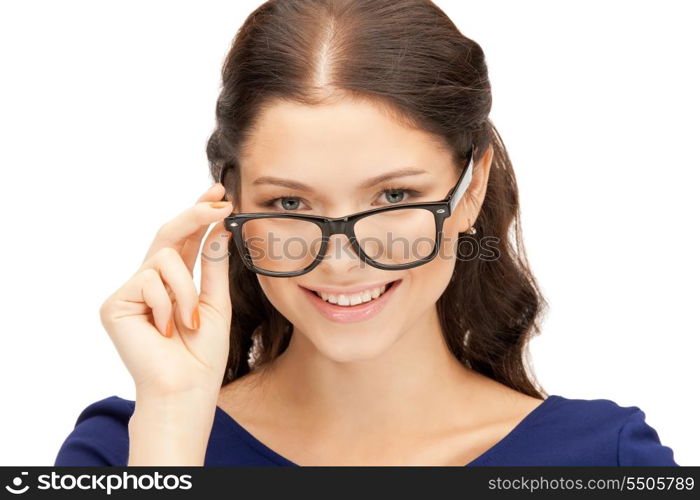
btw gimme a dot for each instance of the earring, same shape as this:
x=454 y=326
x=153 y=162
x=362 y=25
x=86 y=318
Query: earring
x=472 y=230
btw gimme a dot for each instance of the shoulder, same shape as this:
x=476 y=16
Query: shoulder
x=100 y=435
x=599 y=432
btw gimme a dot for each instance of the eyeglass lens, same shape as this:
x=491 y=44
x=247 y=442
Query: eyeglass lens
x=392 y=238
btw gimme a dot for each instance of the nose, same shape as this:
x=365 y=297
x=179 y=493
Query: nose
x=340 y=257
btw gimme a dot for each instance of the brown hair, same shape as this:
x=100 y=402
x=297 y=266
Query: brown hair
x=407 y=57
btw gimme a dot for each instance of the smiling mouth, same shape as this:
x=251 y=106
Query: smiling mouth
x=356 y=299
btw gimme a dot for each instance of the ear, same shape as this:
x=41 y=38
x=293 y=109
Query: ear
x=469 y=206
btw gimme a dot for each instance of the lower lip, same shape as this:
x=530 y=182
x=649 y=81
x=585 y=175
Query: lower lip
x=351 y=314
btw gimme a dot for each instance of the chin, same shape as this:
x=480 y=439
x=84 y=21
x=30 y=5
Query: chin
x=351 y=345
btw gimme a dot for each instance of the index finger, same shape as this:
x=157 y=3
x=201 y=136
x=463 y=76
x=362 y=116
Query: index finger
x=188 y=228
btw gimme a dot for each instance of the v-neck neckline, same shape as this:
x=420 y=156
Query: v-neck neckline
x=261 y=448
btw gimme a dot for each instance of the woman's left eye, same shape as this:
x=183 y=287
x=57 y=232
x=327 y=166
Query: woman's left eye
x=398 y=195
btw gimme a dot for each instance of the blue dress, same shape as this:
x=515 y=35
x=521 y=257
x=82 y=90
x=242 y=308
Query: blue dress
x=560 y=431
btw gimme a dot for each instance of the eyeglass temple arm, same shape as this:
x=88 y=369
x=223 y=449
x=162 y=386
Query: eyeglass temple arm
x=463 y=184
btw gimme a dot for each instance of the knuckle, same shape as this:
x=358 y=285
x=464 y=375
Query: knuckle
x=105 y=312
x=104 y=308
x=167 y=253
x=107 y=302
x=163 y=230
x=150 y=274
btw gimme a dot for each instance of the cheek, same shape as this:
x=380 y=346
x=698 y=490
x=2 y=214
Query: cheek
x=450 y=239
x=285 y=295
x=279 y=291
x=452 y=223
x=429 y=281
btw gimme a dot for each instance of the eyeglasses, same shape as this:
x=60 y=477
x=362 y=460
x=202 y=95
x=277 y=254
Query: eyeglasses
x=395 y=237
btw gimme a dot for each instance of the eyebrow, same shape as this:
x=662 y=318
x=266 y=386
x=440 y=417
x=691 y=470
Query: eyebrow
x=288 y=183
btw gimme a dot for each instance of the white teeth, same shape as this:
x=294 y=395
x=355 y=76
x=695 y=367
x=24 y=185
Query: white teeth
x=355 y=298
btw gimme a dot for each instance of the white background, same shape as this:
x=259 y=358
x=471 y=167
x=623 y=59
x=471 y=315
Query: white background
x=105 y=109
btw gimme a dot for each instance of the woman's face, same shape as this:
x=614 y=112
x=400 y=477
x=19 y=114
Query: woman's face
x=334 y=149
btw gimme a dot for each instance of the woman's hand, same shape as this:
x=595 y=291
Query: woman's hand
x=174 y=341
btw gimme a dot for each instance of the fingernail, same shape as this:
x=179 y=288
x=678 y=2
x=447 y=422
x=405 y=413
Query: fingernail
x=169 y=328
x=220 y=204
x=195 y=318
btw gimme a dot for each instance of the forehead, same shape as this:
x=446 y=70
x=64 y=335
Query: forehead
x=346 y=140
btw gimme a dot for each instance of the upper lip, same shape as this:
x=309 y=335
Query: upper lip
x=347 y=290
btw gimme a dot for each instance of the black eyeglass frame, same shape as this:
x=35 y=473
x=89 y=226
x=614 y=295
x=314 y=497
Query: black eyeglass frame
x=441 y=210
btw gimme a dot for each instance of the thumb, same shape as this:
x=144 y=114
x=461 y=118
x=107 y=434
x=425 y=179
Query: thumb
x=214 y=287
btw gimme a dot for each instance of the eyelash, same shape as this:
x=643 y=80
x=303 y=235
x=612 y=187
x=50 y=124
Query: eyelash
x=411 y=192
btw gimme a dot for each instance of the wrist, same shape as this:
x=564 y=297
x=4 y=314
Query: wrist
x=171 y=430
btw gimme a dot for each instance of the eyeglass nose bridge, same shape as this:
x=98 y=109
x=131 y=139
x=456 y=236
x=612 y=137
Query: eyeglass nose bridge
x=340 y=225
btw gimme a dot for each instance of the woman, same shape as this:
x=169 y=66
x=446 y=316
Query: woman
x=377 y=313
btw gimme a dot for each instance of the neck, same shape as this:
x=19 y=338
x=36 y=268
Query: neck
x=413 y=383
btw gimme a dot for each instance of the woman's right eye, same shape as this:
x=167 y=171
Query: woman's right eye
x=289 y=203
